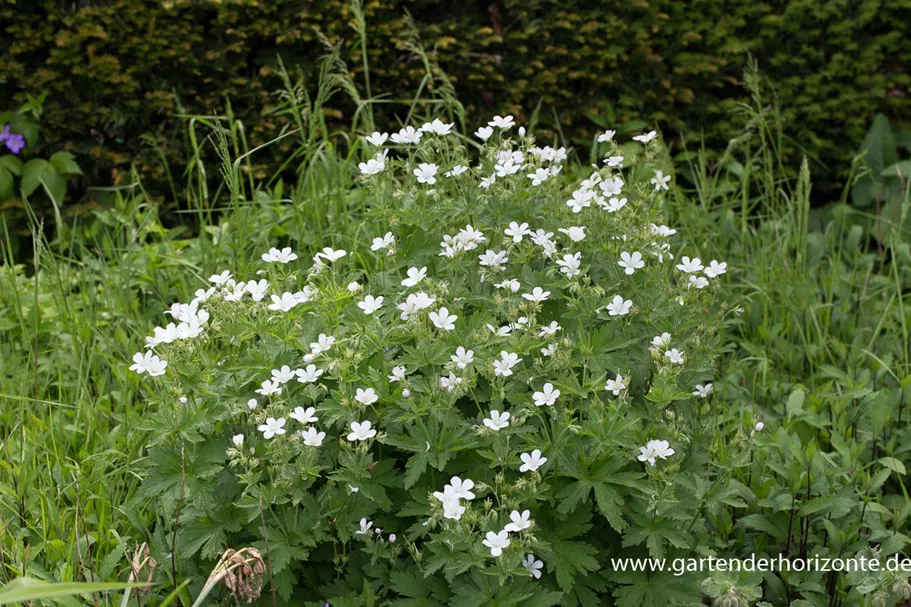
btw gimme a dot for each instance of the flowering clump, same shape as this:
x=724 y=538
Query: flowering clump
x=502 y=368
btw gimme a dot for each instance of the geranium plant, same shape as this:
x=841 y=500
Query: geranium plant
x=488 y=389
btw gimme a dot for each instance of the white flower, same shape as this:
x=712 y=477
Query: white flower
x=235 y=291
x=503 y=367
x=391 y=538
x=312 y=438
x=615 y=204
x=493 y=259
x=370 y=304
x=373 y=166
x=689 y=266
x=283 y=256
x=322 y=344
x=570 y=264
x=437 y=126
x=716 y=269
x=486 y=182
x=304 y=416
x=700 y=282
x=361 y=431
x=452 y=509
x=631 y=262
x=616 y=385
x=238 y=440
x=407 y=135
x=538 y=177
x=283 y=375
x=460 y=489
x=611 y=186
x=581 y=199
x=462 y=358
x=660 y=181
x=309 y=375
x=330 y=254
x=252 y=404
x=449 y=383
x=148 y=363
x=531 y=461
x=534 y=566
x=675 y=356
x=497 y=421
x=537 y=295
x=354 y=286
x=269 y=387
x=548 y=330
x=496 y=542
x=618 y=306
x=303 y=296
x=284 y=303
x=703 y=391
x=220 y=280
x=426 y=173
x=662 y=230
x=377 y=138
x=484 y=133
x=546 y=397
x=512 y=285
x=414 y=303
x=502 y=122
x=456 y=170
x=257 y=289
x=759 y=426
x=614 y=161
x=517 y=231
x=662 y=341
x=383 y=243
x=443 y=320
x=366 y=396
x=653 y=450
x=202 y=295
x=398 y=374
x=365 y=527
x=646 y=138
x=575 y=233
x=414 y=276
x=549 y=350
x=520 y=521
x=606 y=136
x=272 y=427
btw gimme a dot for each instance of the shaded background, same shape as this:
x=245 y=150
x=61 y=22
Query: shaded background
x=118 y=72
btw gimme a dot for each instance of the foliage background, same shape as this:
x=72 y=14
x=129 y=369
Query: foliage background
x=120 y=71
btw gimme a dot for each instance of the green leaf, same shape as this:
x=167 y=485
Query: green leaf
x=12 y=164
x=6 y=184
x=835 y=505
x=408 y=584
x=38 y=173
x=795 y=401
x=65 y=163
x=893 y=464
x=25 y=589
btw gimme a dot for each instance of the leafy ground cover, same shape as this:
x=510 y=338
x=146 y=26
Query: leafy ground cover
x=800 y=446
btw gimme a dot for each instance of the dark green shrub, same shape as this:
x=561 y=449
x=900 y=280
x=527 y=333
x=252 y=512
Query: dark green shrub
x=118 y=71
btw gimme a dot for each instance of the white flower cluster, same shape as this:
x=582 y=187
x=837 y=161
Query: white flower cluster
x=415 y=297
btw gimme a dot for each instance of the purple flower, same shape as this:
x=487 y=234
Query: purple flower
x=15 y=143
